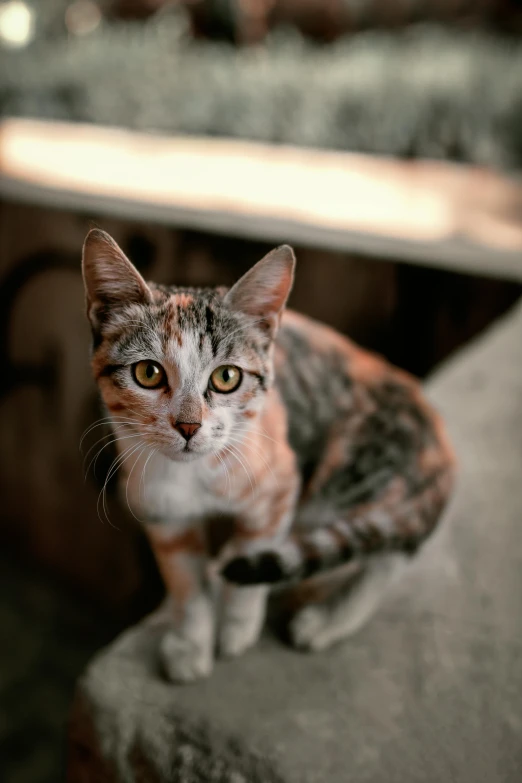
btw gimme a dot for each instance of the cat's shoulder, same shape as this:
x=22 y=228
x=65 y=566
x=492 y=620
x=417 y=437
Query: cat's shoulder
x=304 y=336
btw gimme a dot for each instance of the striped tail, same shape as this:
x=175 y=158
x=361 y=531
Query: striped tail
x=385 y=525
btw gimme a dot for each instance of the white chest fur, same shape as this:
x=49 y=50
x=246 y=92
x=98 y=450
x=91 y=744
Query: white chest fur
x=174 y=492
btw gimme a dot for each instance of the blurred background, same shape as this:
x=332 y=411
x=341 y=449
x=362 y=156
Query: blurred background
x=382 y=138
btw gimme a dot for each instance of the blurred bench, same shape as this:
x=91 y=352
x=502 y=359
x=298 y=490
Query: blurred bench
x=434 y=213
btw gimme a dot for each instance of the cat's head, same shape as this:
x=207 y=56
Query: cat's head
x=186 y=369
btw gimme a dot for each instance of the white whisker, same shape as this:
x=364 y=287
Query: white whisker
x=141 y=489
x=108 y=421
x=98 y=423
x=233 y=451
x=263 y=434
x=109 y=443
x=108 y=435
x=127 y=485
x=253 y=447
x=117 y=461
x=222 y=461
x=106 y=480
x=116 y=465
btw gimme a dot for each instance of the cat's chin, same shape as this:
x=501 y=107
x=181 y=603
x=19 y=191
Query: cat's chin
x=185 y=455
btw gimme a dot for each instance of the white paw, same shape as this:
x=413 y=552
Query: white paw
x=185 y=660
x=306 y=628
x=236 y=637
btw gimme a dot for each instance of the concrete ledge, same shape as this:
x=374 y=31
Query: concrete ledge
x=128 y=725
x=429 y=690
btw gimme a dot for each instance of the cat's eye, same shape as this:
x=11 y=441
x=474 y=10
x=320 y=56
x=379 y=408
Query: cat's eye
x=148 y=374
x=225 y=379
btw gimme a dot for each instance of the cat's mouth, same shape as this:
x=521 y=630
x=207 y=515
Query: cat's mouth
x=188 y=453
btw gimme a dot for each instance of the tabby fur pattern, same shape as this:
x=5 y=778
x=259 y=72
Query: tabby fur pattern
x=327 y=459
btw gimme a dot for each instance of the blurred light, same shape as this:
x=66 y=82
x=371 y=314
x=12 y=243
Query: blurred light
x=82 y=17
x=16 y=24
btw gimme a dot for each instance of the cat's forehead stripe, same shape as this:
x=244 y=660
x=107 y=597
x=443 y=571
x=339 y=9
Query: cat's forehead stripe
x=189 y=328
x=182 y=300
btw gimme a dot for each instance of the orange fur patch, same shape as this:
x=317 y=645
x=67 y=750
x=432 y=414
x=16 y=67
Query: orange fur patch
x=367 y=367
x=112 y=395
x=116 y=406
x=98 y=364
x=189 y=541
x=183 y=300
x=168 y=325
x=173 y=555
x=333 y=459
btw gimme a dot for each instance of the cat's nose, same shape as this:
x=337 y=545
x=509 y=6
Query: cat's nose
x=187 y=429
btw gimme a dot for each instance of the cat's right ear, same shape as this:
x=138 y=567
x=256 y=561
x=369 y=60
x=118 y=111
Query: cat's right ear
x=109 y=277
x=262 y=292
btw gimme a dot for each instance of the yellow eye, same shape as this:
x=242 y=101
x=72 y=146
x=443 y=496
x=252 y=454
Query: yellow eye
x=149 y=374
x=225 y=379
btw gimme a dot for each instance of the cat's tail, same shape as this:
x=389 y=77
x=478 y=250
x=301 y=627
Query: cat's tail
x=391 y=523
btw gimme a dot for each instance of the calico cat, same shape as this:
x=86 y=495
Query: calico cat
x=225 y=403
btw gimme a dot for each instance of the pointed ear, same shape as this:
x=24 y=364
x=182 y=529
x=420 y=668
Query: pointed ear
x=262 y=292
x=108 y=275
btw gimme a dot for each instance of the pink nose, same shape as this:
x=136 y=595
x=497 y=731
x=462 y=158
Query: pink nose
x=187 y=429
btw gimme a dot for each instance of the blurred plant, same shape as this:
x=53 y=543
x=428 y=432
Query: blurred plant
x=422 y=91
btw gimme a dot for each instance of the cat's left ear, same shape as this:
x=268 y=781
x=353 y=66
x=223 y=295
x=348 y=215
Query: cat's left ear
x=263 y=291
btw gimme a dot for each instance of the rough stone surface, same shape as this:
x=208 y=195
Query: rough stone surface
x=429 y=690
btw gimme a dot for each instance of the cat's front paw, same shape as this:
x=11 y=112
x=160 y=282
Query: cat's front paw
x=185 y=660
x=236 y=637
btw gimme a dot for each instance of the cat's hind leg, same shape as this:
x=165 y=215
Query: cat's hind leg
x=319 y=625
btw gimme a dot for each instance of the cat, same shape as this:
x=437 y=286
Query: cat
x=225 y=403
